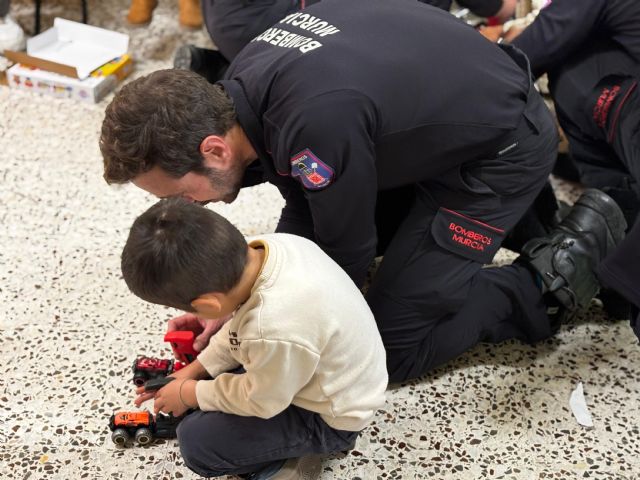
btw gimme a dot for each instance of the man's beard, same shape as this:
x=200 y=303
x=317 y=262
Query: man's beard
x=227 y=184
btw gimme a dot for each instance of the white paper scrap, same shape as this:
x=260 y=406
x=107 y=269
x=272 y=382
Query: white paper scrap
x=579 y=407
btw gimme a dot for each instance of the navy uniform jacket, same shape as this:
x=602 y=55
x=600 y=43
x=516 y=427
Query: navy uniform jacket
x=344 y=99
x=233 y=23
x=482 y=8
x=566 y=26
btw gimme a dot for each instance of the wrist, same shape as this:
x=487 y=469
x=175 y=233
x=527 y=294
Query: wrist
x=194 y=371
x=187 y=393
x=199 y=371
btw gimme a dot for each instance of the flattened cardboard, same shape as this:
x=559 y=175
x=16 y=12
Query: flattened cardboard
x=24 y=59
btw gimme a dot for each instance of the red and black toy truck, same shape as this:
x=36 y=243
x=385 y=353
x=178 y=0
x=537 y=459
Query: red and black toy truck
x=148 y=368
x=143 y=427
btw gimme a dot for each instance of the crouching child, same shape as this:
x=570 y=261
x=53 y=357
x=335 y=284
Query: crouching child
x=298 y=370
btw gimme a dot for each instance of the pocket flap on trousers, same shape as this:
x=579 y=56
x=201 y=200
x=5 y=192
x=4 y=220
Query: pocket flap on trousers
x=465 y=236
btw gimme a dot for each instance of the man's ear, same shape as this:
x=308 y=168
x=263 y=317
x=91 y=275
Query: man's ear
x=216 y=152
x=208 y=305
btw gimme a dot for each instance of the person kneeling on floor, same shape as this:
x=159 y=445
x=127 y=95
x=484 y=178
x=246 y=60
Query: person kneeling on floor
x=298 y=370
x=382 y=158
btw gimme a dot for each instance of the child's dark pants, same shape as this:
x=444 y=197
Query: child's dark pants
x=216 y=443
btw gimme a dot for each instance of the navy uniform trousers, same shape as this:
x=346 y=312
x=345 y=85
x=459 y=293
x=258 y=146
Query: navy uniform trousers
x=600 y=114
x=620 y=271
x=431 y=296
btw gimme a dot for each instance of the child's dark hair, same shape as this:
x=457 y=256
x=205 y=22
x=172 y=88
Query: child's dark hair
x=177 y=251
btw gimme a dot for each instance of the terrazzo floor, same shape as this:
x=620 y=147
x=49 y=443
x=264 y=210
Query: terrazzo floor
x=69 y=329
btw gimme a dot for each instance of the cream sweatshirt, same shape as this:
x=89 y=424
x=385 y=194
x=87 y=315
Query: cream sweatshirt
x=305 y=337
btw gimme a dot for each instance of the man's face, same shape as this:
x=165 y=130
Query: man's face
x=212 y=186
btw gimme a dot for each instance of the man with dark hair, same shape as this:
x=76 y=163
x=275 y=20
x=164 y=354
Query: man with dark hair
x=591 y=53
x=382 y=143
x=311 y=378
x=232 y=24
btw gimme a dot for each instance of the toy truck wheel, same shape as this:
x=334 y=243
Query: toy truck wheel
x=120 y=436
x=144 y=436
x=139 y=379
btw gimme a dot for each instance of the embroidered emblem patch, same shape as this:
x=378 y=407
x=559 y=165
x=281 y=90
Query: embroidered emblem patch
x=603 y=105
x=313 y=173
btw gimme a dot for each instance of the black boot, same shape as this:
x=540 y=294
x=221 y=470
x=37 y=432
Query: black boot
x=209 y=64
x=566 y=259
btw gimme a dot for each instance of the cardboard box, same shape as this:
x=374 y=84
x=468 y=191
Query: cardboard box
x=91 y=89
x=79 y=47
x=4 y=66
x=71 y=60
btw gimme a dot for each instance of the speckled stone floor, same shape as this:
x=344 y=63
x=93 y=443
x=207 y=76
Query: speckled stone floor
x=69 y=328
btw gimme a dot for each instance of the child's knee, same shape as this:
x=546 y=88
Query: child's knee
x=191 y=446
x=202 y=449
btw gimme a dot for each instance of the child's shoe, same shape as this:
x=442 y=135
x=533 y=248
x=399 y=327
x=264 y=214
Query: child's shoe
x=303 y=468
x=190 y=13
x=140 y=11
x=11 y=35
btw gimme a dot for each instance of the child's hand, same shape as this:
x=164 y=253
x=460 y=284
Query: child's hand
x=203 y=328
x=193 y=371
x=176 y=397
x=143 y=396
x=493 y=33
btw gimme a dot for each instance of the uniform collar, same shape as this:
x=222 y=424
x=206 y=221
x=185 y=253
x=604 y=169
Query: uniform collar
x=247 y=118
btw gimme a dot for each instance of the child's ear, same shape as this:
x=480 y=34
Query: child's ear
x=208 y=305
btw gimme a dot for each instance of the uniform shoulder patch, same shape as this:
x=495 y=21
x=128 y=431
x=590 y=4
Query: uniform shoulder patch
x=312 y=172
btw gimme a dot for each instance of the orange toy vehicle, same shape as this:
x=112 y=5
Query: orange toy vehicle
x=142 y=426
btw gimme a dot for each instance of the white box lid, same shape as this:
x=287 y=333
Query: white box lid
x=81 y=46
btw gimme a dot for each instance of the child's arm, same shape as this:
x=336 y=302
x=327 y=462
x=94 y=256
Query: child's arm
x=275 y=372
x=180 y=395
x=216 y=358
x=176 y=397
x=203 y=329
x=193 y=371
